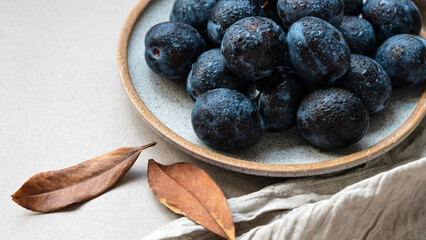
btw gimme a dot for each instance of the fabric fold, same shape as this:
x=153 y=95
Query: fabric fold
x=391 y=205
x=384 y=199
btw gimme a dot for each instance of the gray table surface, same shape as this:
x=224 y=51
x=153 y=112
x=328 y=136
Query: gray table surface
x=61 y=102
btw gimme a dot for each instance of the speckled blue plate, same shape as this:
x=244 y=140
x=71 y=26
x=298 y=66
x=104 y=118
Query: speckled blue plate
x=166 y=107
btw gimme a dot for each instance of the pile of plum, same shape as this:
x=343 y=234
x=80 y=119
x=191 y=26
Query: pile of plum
x=265 y=65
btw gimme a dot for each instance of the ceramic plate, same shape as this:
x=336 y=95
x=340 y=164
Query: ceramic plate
x=166 y=107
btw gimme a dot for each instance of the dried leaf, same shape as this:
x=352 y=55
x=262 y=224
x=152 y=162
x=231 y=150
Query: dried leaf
x=188 y=190
x=54 y=190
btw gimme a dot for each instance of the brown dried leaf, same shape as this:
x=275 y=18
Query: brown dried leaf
x=54 y=190
x=188 y=190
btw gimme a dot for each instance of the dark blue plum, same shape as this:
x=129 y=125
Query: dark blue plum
x=210 y=72
x=332 y=118
x=318 y=51
x=171 y=48
x=291 y=11
x=253 y=47
x=368 y=81
x=392 y=17
x=279 y=101
x=226 y=120
x=359 y=35
x=193 y=12
x=353 y=7
x=404 y=59
x=227 y=12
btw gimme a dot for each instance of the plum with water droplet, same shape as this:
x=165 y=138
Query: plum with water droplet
x=332 y=118
x=226 y=120
x=318 y=51
x=368 y=81
x=404 y=59
x=227 y=12
x=210 y=72
x=171 y=48
x=392 y=17
x=193 y=12
x=359 y=34
x=290 y=11
x=253 y=47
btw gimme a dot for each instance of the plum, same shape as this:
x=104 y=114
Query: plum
x=392 y=17
x=359 y=34
x=368 y=81
x=253 y=47
x=227 y=12
x=226 y=120
x=332 y=118
x=171 y=48
x=318 y=51
x=290 y=11
x=404 y=59
x=210 y=72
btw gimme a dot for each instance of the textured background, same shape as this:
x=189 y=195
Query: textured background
x=61 y=102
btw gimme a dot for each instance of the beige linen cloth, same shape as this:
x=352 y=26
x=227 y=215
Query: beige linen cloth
x=384 y=199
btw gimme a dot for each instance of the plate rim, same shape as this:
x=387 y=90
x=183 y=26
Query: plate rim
x=243 y=166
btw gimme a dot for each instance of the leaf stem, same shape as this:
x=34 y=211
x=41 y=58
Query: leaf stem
x=148 y=145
